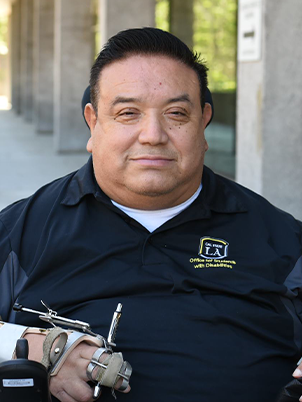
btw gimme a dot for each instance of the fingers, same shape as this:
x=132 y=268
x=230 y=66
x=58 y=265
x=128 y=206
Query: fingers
x=101 y=357
x=118 y=385
x=74 y=391
x=70 y=384
x=298 y=374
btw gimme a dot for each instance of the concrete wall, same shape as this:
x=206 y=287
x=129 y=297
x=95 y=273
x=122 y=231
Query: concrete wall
x=16 y=56
x=27 y=59
x=249 y=144
x=269 y=118
x=73 y=54
x=282 y=117
x=182 y=20
x=116 y=15
x=43 y=65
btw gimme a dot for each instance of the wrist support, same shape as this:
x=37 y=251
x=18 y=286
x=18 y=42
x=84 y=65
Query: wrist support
x=9 y=334
x=57 y=346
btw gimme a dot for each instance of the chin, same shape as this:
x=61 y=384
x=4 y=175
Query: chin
x=151 y=191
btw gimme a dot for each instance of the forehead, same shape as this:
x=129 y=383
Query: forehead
x=148 y=75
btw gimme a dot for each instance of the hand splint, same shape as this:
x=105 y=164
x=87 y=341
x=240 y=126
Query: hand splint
x=59 y=343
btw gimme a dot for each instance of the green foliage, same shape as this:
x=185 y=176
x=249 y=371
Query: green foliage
x=3 y=30
x=162 y=14
x=215 y=38
x=96 y=29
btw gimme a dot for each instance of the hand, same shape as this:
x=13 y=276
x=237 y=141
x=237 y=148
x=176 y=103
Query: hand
x=298 y=374
x=70 y=384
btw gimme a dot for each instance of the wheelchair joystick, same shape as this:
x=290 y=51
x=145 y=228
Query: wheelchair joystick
x=23 y=380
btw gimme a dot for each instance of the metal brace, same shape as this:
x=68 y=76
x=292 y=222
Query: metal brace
x=53 y=318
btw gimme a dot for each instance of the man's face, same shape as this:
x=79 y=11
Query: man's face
x=148 y=140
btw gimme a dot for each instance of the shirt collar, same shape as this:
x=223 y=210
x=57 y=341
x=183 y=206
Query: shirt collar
x=216 y=195
x=221 y=194
x=82 y=184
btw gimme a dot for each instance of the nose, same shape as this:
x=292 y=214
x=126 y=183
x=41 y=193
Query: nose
x=152 y=131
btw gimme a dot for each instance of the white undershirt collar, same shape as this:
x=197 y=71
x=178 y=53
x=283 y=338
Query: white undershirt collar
x=151 y=220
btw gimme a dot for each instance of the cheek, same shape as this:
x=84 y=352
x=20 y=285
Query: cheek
x=115 y=137
x=192 y=156
x=102 y=140
x=110 y=152
x=190 y=145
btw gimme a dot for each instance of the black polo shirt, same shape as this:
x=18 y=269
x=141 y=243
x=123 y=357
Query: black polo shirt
x=211 y=299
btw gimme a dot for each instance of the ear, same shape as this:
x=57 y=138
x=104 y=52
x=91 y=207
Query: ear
x=89 y=145
x=206 y=145
x=206 y=114
x=90 y=116
x=91 y=119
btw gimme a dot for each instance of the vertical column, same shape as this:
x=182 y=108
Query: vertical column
x=16 y=56
x=73 y=59
x=117 y=15
x=8 y=87
x=269 y=99
x=43 y=65
x=182 y=20
x=27 y=59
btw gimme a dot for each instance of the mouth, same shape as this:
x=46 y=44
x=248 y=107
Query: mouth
x=152 y=160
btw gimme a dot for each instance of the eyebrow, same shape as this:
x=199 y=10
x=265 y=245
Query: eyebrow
x=181 y=98
x=121 y=99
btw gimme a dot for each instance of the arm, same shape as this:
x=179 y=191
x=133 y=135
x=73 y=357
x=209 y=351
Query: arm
x=68 y=381
x=70 y=384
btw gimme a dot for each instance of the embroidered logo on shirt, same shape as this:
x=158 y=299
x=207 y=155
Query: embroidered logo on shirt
x=211 y=248
x=212 y=253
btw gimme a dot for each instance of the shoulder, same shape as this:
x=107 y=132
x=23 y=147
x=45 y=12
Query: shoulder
x=40 y=203
x=25 y=222
x=223 y=191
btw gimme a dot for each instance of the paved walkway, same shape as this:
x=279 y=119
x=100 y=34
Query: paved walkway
x=27 y=159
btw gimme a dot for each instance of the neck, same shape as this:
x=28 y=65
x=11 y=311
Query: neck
x=150 y=202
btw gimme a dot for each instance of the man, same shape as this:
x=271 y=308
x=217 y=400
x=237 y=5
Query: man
x=208 y=272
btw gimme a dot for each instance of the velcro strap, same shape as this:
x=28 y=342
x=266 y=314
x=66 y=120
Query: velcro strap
x=50 y=357
x=109 y=376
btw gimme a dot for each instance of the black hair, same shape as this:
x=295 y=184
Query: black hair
x=149 y=41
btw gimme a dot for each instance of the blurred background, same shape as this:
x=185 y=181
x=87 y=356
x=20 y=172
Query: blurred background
x=48 y=46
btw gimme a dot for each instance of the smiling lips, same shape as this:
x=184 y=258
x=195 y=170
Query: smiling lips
x=152 y=160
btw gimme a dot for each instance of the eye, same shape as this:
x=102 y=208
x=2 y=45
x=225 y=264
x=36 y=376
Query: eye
x=127 y=115
x=177 y=114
